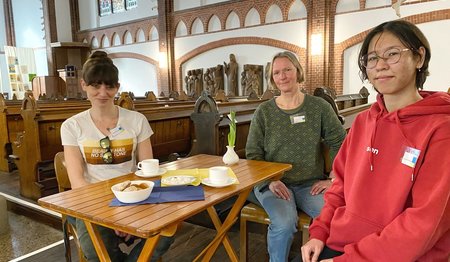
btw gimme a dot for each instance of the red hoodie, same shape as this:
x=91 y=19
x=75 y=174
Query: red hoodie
x=390 y=202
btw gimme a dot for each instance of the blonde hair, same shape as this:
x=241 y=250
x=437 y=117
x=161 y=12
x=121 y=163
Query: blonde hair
x=294 y=60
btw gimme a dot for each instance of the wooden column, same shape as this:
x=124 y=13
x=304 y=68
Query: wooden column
x=51 y=35
x=166 y=47
x=9 y=23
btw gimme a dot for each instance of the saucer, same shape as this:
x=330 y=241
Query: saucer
x=207 y=182
x=161 y=171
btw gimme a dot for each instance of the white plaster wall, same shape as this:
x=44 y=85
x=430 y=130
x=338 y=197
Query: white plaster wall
x=281 y=32
x=439 y=79
x=89 y=19
x=63 y=27
x=135 y=75
x=88 y=12
x=346 y=27
x=187 y=4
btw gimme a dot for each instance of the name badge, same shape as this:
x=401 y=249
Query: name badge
x=116 y=131
x=410 y=156
x=298 y=118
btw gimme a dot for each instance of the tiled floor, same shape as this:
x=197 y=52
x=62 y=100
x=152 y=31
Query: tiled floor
x=24 y=236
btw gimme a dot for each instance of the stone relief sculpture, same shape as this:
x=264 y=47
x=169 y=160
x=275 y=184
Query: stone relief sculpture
x=198 y=81
x=243 y=82
x=194 y=82
x=189 y=81
x=208 y=78
x=252 y=79
x=218 y=78
x=231 y=70
x=267 y=76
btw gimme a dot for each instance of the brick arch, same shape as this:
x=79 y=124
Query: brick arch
x=301 y=52
x=208 y=20
x=133 y=37
x=359 y=38
x=228 y=14
x=266 y=10
x=138 y=57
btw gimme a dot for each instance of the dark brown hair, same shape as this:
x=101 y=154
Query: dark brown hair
x=410 y=35
x=100 y=69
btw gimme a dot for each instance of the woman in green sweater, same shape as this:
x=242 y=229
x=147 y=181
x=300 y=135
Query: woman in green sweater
x=290 y=129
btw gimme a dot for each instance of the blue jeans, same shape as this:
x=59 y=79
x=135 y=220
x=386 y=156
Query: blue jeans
x=112 y=241
x=283 y=216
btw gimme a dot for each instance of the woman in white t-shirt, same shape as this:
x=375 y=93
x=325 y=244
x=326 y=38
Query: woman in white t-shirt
x=103 y=142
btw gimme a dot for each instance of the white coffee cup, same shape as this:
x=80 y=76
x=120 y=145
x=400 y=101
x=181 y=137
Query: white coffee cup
x=218 y=175
x=149 y=167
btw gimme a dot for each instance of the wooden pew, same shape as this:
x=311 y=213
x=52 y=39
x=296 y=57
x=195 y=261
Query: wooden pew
x=352 y=100
x=38 y=140
x=34 y=133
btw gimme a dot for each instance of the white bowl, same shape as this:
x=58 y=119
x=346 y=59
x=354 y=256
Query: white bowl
x=133 y=196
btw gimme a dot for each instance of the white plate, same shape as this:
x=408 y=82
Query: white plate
x=207 y=182
x=161 y=171
x=179 y=180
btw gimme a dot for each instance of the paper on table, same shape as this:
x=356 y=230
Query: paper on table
x=199 y=173
x=168 y=194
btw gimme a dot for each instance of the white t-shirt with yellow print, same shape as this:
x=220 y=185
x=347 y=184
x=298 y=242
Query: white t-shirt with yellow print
x=80 y=130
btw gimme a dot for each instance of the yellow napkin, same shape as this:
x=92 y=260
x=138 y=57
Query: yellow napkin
x=198 y=173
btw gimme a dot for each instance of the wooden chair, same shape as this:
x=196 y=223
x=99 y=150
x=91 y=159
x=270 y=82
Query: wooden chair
x=64 y=184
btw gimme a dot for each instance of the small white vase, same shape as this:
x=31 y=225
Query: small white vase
x=230 y=156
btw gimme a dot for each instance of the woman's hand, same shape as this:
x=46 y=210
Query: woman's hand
x=280 y=190
x=126 y=236
x=311 y=250
x=320 y=187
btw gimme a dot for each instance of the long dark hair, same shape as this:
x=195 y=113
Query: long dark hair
x=100 y=69
x=410 y=35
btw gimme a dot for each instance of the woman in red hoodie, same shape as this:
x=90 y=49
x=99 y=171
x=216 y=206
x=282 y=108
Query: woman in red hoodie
x=390 y=198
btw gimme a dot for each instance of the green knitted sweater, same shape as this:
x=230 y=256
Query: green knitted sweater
x=295 y=137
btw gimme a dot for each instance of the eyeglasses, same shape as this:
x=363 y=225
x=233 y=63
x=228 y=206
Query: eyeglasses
x=285 y=71
x=390 y=56
x=107 y=156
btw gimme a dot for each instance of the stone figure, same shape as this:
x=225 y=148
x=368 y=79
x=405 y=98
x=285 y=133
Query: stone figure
x=189 y=80
x=243 y=82
x=209 y=82
x=198 y=81
x=218 y=78
x=231 y=70
x=267 y=76
x=253 y=79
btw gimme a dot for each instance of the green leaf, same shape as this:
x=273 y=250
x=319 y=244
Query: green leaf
x=232 y=133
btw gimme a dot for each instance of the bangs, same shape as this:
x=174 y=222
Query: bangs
x=102 y=74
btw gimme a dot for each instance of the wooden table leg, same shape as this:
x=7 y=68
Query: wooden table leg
x=150 y=243
x=97 y=241
x=149 y=247
x=218 y=224
x=221 y=232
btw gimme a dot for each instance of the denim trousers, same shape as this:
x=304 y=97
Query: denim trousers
x=112 y=241
x=283 y=215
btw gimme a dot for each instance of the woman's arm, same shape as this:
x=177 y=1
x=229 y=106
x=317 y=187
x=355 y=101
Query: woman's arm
x=75 y=166
x=254 y=149
x=144 y=150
